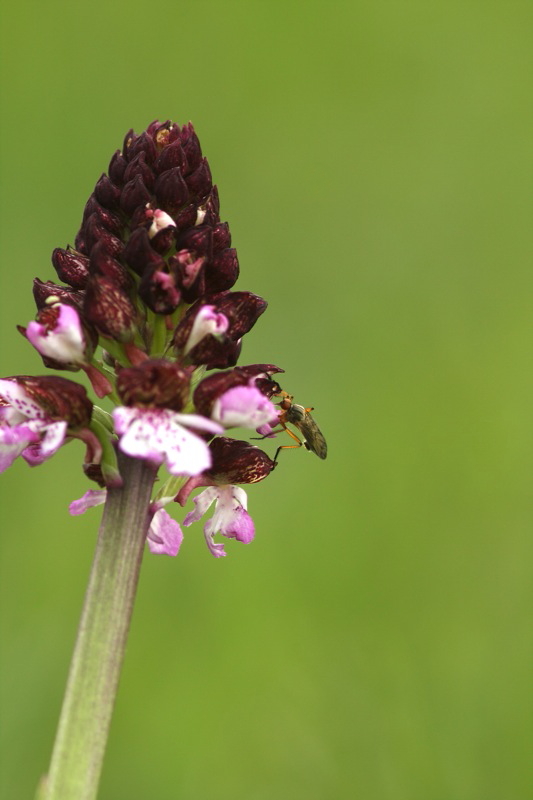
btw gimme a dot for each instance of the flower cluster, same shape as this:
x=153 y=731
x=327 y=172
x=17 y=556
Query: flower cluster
x=145 y=308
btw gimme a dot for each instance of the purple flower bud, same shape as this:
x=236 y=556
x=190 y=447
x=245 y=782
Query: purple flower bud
x=93 y=232
x=117 y=168
x=222 y=271
x=221 y=237
x=158 y=289
x=106 y=193
x=109 y=309
x=191 y=146
x=155 y=384
x=171 y=190
x=235 y=461
x=139 y=254
x=141 y=144
x=171 y=156
x=134 y=194
x=44 y=292
x=200 y=182
x=102 y=263
x=139 y=167
x=71 y=267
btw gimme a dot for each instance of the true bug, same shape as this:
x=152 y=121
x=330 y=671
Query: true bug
x=300 y=417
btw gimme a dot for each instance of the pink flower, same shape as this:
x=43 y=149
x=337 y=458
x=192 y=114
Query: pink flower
x=231 y=518
x=159 y=435
x=164 y=534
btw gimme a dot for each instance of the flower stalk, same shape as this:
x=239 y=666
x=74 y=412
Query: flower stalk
x=95 y=668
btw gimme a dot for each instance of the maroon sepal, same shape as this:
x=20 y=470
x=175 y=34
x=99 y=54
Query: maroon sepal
x=139 y=254
x=71 y=267
x=102 y=263
x=191 y=146
x=222 y=271
x=215 y=354
x=43 y=291
x=60 y=398
x=138 y=166
x=171 y=190
x=106 y=193
x=134 y=194
x=200 y=182
x=155 y=384
x=233 y=462
x=158 y=289
x=171 y=156
x=109 y=309
x=209 y=389
x=117 y=168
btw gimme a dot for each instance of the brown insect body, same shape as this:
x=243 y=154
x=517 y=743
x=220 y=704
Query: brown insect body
x=299 y=416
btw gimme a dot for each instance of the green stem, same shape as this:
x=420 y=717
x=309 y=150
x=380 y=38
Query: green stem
x=95 y=668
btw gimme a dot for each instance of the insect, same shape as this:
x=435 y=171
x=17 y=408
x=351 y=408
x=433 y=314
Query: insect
x=294 y=414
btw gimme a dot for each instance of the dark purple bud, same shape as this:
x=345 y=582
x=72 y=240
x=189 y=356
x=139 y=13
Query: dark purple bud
x=156 y=383
x=158 y=290
x=134 y=194
x=138 y=166
x=235 y=461
x=71 y=267
x=90 y=207
x=94 y=232
x=42 y=292
x=106 y=193
x=171 y=190
x=139 y=254
x=187 y=217
x=170 y=157
x=129 y=140
x=81 y=244
x=191 y=146
x=117 y=167
x=198 y=239
x=190 y=274
x=242 y=309
x=222 y=271
x=200 y=182
x=107 y=219
x=109 y=309
x=141 y=144
x=209 y=389
x=60 y=398
x=164 y=239
x=164 y=133
x=102 y=263
x=212 y=207
x=215 y=354
x=221 y=237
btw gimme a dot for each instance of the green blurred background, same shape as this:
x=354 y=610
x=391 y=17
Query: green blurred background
x=373 y=162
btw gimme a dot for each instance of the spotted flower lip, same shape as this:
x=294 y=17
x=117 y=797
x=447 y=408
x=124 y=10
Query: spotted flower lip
x=29 y=424
x=231 y=518
x=159 y=435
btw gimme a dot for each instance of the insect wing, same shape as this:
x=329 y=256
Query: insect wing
x=313 y=436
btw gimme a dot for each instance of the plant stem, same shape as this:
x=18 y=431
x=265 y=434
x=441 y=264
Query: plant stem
x=95 y=668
